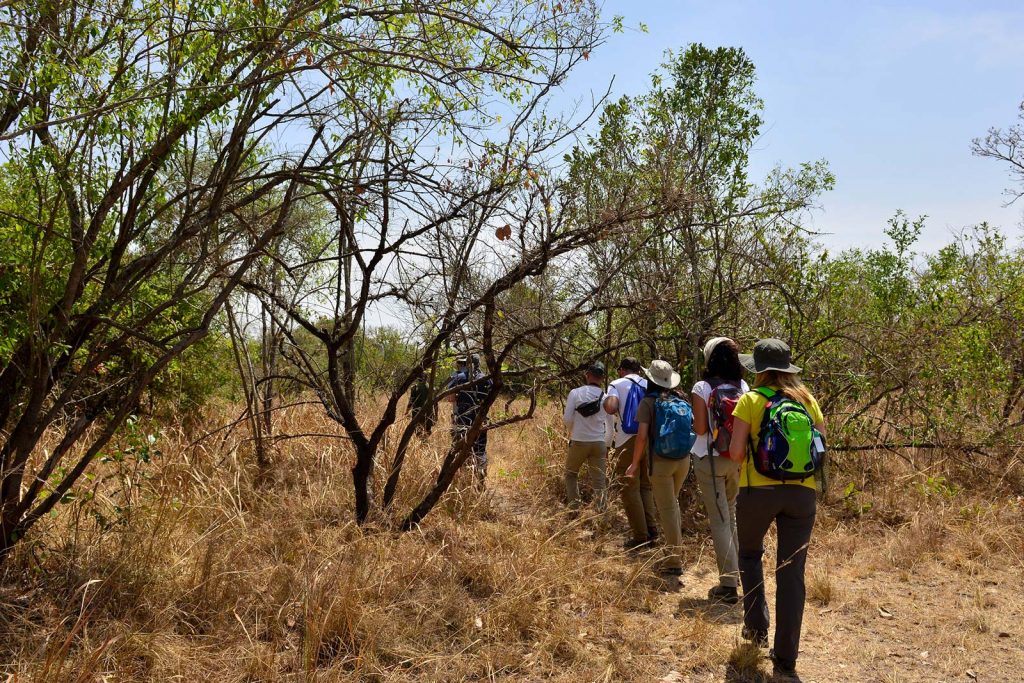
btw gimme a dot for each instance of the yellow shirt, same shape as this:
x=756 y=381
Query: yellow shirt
x=750 y=409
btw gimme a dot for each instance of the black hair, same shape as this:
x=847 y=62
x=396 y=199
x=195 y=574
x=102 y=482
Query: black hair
x=657 y=390
x=724 y=362
x=631 y=364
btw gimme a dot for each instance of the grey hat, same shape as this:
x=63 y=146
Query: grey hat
x=769 y=354
x=596 y=368
x=663 y=374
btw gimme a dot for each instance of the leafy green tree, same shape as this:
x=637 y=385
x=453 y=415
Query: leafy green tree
x=139 y=144
x=687 y=142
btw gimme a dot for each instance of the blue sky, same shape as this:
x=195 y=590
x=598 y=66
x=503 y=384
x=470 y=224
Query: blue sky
x=889 y=93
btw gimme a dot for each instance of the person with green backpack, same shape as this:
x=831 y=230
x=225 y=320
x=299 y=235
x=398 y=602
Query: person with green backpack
x=665 y=436
x=778 y=439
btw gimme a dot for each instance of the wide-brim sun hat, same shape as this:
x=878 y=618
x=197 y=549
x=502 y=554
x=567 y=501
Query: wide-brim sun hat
x=769 y=354
x=710 y=344
x=662 y=374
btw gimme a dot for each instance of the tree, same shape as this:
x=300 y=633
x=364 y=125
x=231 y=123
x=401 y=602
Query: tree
x=141 y=144
x=447 y=242
x=1006 y=145
x=685 y=273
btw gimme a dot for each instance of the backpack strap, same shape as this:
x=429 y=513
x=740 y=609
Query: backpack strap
x=650 y=431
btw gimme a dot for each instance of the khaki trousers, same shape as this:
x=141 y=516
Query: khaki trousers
x=592 y=453
x=637 y=499
x=667 y=477
x=719 y=495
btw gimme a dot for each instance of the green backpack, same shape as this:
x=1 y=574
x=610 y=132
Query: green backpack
x=788 y=446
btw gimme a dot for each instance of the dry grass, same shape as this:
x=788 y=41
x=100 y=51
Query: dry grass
x=821 y=590
x=188 y=568
x=747 y=664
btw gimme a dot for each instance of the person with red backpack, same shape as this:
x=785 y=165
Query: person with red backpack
x=778 y=439
x=714 y=398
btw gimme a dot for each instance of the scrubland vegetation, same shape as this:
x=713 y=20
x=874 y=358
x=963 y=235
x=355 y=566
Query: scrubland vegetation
x=206 y=471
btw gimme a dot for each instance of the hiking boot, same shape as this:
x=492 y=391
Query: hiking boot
x=672 y=576
x=724 y=594
x=633 y=544
x=759 y=638
x=782 y=670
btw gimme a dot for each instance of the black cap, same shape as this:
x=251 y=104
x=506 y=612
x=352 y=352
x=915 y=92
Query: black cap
x=469 y=359
x=596 y=368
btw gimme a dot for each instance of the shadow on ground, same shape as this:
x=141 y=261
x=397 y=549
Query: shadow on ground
x=711 y=612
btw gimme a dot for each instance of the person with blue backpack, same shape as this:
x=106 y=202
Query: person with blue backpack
x=473 y=387
x=778 y=438
x=665 y=436
x=622 y=403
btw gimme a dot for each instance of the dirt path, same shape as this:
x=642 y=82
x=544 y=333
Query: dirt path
x=921 y=602
x=930 y=624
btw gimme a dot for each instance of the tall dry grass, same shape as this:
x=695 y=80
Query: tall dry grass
x=194 y=566
x=190 y=567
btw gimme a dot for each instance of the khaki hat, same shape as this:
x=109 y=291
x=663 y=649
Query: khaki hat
x=710 y=344
x=769 y=354
x=662 y=374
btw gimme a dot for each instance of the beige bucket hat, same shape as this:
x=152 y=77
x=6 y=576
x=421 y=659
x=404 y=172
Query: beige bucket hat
x=663 y=374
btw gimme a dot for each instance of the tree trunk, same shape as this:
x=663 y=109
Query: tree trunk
x=361 y=481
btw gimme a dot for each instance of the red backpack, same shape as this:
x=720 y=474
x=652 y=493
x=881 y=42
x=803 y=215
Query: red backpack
x=722 y=401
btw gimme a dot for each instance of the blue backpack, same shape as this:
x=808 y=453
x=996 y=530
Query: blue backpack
x=672 y=436
x=631 y=405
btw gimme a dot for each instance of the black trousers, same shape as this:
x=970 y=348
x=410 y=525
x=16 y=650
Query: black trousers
x=792 y=508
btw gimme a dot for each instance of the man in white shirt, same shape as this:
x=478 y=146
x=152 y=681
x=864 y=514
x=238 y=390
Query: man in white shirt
x=585 y=420
x=637 y=496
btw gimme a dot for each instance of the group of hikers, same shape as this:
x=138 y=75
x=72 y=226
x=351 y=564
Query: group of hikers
x=756 y=453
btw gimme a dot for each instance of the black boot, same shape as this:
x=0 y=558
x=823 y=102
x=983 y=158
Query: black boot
x=726 y=594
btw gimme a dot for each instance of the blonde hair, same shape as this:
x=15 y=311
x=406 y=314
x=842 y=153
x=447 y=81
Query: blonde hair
x=788 y=383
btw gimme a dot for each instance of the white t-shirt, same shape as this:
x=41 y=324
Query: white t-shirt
x=585 y=428
x=703 y=389
x=620 y=388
